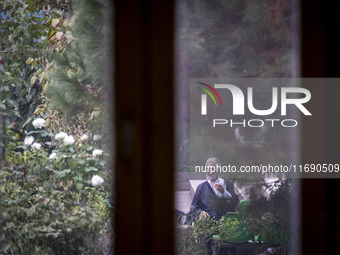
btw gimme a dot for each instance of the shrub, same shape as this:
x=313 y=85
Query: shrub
x=48 y=201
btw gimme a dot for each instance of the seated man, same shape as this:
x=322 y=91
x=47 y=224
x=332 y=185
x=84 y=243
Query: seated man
x=214 y=197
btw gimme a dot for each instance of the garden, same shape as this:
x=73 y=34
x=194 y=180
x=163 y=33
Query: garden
x=55 y=159
x=261 y=225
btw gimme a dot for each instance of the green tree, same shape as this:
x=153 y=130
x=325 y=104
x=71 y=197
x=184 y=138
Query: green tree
x=79 y=83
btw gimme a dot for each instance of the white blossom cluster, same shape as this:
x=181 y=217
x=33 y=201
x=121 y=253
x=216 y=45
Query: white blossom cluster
x=29 y=140
x=97 y=152
x=97 y=180
x=39 y=123
x=36 y=146
x=53 y=156
x=67 y=140
x=60 y=136
x=97 y=137
x=84 y=137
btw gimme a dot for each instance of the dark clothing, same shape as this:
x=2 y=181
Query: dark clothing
x=206 y=200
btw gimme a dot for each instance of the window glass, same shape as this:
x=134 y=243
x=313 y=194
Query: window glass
x=246 y=43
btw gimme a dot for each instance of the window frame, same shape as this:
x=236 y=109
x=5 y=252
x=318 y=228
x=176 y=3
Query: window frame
x=144 y=127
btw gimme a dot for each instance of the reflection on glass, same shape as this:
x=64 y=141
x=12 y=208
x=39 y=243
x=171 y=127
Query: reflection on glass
x=223 y=42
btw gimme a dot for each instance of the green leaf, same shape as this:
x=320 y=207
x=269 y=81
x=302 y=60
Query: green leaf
x=29 y=2
x=37 y=111
x=4 y=245
x=28 y=97
x=22 y=93
x=52 y=34
x=32 y=9
x=78 y=178
x=42 y=76
x=81 y=161
x=79 y=186
x=49 y=22
x=33 y=80
x=29 y=61
x=90 y=168
x=56 y=13
x=27 y=121
x=61 y=174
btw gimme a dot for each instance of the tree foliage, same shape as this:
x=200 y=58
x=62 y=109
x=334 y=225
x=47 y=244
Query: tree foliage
x=237 y=38
x=78 y=81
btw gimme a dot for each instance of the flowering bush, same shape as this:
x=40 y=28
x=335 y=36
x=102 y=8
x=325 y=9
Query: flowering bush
x=193 y=240
x=52 y=193
x=53 y=185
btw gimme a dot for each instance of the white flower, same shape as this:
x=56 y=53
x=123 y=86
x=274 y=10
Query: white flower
x=69 y=140
x=38 y=123
x=28 y=140
x=84 y=137
x=97 y=152
x=64 y=156
x=53 y=156
x=36 y=146
x=60 y=136
x=97 y=180
x=97 y=137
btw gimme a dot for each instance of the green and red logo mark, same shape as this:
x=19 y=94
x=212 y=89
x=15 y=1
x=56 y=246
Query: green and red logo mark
x=204 y=97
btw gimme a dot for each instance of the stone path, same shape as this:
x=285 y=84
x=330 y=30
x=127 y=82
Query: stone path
x=183 y=201
x=183 y=198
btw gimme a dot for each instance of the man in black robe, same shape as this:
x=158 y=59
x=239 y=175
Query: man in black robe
x=214 y=197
